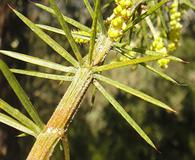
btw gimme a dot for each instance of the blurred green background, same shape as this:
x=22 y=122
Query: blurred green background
x=98 y=132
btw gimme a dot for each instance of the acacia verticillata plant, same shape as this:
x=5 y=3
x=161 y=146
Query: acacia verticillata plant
x=124 y=32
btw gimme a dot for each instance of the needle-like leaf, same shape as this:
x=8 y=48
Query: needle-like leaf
x=162 y=19
x=42 y=75
x=100 y=22
x=189 y=4
x=126 y=63
x=161 y=74
x=77 y=35
x=123 y=113
x=173 y=58
x=47 y=39
x=66 y=30
x=89 y=8
x=144 y=15
x=15 y=124
x=15 y=113
x=24 y=99
x=38 y=61
x=94 y=31
x=123 y=47
x=133 y=92
x=67 y=19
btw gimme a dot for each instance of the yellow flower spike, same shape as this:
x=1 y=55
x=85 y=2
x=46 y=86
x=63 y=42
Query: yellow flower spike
x=177 y=15
x=175 y=26
x=128 y=13
x=159 y=46
x=117 y=2
x=117 y=22
x=119 y=19
x=171 y=46
x=124 y=26
x=122 y=3
x=173 y=23
x=78 y=39
x=178 y=25
x=113 y=33
x=128 y=3
x=124 y=13
x=118 y=10
x=163 y=63
x=163 y=51
x=174 y=5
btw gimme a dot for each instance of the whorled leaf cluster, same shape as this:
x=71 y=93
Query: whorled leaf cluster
x=126 y=34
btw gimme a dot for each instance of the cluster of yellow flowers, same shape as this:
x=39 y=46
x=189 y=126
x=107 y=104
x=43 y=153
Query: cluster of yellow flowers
x=175 y=26
x=119 y=19
x=158 y=46
x=174 y=35
x=81 y=37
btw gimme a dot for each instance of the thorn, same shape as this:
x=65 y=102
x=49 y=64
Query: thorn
x=180 y=83
x=178 y=59
x=157 y=149
x=11 y=5
x=184 y=84
x=170 y=110
x=185 y=62
x=174 y=111
x=177 y=83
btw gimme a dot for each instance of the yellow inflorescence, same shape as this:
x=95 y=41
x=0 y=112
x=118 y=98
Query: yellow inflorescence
x=81 y=37
x=119 y=18
x=158 y=46
x=175 y=26
x=174 y=35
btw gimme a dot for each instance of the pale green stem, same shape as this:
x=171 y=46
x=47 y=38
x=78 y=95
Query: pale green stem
x=62 y=116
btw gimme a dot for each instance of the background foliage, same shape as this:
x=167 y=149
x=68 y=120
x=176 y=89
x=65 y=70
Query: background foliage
x=99 y=133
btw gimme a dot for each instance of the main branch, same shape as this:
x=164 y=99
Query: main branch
x=62 y=116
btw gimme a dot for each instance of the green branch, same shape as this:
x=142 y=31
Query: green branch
x=94 y=31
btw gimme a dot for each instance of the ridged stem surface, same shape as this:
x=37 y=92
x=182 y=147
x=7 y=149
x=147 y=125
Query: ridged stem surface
x=62 y=116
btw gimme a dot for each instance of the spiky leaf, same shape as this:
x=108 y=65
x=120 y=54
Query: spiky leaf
x=47 y=39
x=24 y=99
x=134 y=92
x=123 y=113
